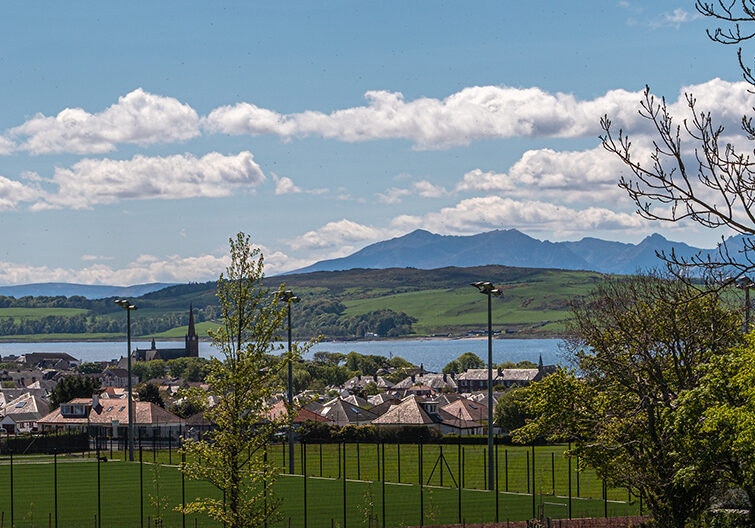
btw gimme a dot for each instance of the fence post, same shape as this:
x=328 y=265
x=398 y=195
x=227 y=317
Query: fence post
x=441 y=464
x=304 y=475
x=577 y=475
x=99 y=489
x=605 y=498
x=141 y=484
x=421 y=483
x=382 y=481
x=55 y=482
x=264 y=484
x=344 y=483
x=496 y=483
x=183 y=491
x=484 y=468
x=339 y=459
x=506 y=467
x=359 y=464
x=568 y=470
x=398 y=457
x=534 y=511
x=12 y=517
x=458 y=471
x=320 y=458
x=527 y=456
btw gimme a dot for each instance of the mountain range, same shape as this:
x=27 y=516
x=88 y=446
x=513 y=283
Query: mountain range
x=90 y=291
x=510 y=247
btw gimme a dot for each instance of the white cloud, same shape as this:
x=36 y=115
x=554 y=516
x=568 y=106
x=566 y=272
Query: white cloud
x=568 y=176
x=339 y=234
x=425 y=189
x=6 y=146
x=475 y=113
x=674 y=18
x=393 y=195
x=474 y=215
x=12 y=193
x=87 y=258
x=90 y=182
x=285 y=185
x=139 y=118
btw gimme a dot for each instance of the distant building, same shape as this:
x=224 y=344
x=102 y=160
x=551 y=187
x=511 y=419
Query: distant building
x=56 y=360
x=191 y=348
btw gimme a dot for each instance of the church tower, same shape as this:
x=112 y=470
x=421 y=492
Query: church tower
x=192 y=340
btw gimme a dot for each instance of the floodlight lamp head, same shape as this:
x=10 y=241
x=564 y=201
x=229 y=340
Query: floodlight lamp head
x=485 y=287
x=288 y=296
x=744 y=282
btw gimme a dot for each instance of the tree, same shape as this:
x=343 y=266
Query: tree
x=639 y=344
x=464 y=362
x=150 y=392
x=228 y=457
x=510 y=410
x=72 y=387
x=693 y=171
x=721 y=411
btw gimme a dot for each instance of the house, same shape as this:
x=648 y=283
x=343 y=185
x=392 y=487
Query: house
x=115 y=377
x=340 y=412
x=418 y=411
x=279 y=412
x=110 y=418
x=358 y=383
x=437 y=382
x=190 y=349
x=56 y=360
x=23 y=414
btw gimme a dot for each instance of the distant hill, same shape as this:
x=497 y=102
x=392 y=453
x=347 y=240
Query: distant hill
x=425 y=250
x=89 y=291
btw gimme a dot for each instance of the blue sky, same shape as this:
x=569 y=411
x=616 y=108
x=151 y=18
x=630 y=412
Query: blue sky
x=136 y=138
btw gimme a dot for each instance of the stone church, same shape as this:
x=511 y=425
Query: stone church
x=191 y=347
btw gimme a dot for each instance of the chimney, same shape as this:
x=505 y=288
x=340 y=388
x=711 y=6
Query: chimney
x=95 y=400
x=414 y=378
x=374 y=378
x=444 y=377
x=359 y=377
x=500 y=373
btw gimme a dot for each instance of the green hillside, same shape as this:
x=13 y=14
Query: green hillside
x=340 y=304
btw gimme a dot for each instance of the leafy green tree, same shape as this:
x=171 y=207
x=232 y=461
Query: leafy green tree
x=89 y=368
x=464 y=362
x=511 y=410
x=638 y=344
x=72 y=387
x=150 y=392
x=228 y=456
x=720 y=415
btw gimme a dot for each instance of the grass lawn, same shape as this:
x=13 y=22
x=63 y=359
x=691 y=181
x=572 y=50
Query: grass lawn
x=39 y=313
x=33 y=493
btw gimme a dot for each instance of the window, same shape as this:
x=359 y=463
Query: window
x=20 y=404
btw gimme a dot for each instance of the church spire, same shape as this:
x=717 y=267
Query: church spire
x=192 y=331
x=192 y=340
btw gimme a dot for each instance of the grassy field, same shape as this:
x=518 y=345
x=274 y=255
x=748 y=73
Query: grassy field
x=39 y=313
x=122 y=501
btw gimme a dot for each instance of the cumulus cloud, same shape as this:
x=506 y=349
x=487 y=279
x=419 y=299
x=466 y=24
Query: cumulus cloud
x=138 y=117
x=340 y=234
x=12 y=193
x=6 y=146
x=473 y=113
x=567 y=176
x=422 y=188
x=494 y=212
x=285 y=185
x=90 y=182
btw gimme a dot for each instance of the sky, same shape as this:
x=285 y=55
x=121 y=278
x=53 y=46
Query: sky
x=137 y=137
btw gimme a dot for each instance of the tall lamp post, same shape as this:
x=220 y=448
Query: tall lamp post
x=126 y=305
x=289 y=297
x=745 y=283
x=486 y=288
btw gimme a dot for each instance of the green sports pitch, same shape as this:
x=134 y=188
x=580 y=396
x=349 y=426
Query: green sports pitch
x=127 y=492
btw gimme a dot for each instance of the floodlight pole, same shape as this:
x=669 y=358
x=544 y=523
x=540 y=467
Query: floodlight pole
x=289 y=297
x=488 y=289
x=126 y=305
x=745 y=283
